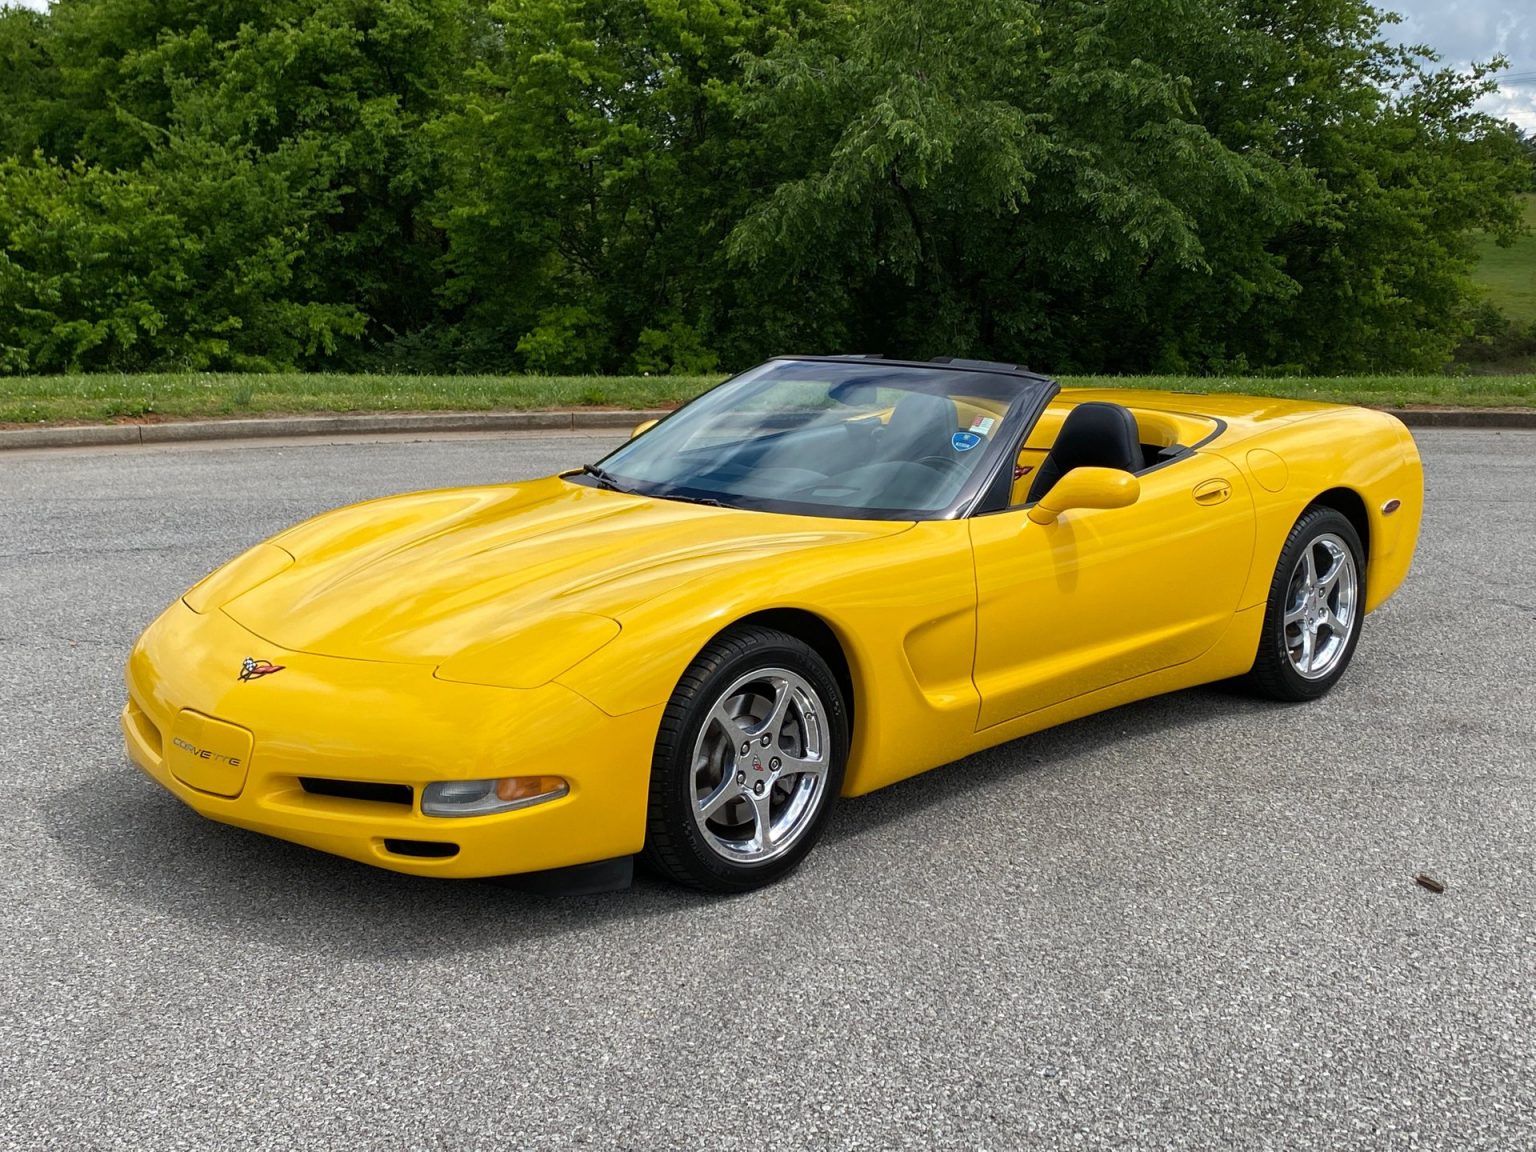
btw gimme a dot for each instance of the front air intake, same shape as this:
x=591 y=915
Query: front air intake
x=429 y=849
x=357 y=790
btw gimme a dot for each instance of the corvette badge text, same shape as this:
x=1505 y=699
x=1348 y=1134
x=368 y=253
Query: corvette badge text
x=204 y=753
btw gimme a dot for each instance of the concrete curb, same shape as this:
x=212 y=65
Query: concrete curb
x=97 y=435
x=1502 y=418
x=94 y=435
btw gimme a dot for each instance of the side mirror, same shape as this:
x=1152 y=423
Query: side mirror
x=1087 y=488
x=643 y=427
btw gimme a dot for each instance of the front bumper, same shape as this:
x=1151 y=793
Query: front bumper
x=238 y=752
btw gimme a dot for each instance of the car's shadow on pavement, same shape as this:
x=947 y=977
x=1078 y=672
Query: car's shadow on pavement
x=1085 y=738
x=136 y=844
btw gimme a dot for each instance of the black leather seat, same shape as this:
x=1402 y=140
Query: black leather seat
x=1094 y=435
x=920 y=425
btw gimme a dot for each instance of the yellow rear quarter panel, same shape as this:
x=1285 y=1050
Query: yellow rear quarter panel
x=1324 y=455
x=1322 y=448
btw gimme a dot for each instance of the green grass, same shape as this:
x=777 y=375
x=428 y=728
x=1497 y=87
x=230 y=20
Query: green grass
x=1508 y=275
x=1514 y=391
x=108 y=397
x=105 y=398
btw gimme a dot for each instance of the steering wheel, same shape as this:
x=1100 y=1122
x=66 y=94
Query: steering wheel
x=944 y=463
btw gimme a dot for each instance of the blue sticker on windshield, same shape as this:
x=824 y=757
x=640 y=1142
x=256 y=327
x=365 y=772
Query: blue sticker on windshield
x=964 y=441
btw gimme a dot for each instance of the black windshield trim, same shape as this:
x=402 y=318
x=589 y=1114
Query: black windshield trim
x=1031 y=394
x=986 y=497
x=941 y=364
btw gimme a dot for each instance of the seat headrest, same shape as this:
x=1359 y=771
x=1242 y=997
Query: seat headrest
x=1094 y=435
x=919 y=412
x=1098 y=435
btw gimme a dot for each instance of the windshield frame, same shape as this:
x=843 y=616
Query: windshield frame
x=1027 y=395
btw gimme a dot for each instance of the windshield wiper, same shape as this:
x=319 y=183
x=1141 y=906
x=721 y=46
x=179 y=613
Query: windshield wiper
x=604 y=478
x=707 y=501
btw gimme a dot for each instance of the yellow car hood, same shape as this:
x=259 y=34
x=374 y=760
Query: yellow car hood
x=419 y=578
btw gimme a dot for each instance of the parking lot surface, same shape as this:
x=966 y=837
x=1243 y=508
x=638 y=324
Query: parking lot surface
x=1188 y=923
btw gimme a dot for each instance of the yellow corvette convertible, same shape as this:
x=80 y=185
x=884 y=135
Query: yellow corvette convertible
x=824 y=576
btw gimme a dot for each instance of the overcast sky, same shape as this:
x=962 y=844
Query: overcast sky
x=1467 y=30
x=1460 y=30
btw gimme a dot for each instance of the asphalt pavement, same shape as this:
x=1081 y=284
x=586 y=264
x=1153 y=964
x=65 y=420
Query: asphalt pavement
x=1188 y=923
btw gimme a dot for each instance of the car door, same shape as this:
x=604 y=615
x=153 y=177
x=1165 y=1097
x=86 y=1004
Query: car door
x=1104 y=595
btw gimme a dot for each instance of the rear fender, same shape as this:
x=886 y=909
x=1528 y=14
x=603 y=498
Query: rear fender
x=1370 y=454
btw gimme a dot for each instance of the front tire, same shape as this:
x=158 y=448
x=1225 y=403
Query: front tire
x=748 y=763
x=1315 y=610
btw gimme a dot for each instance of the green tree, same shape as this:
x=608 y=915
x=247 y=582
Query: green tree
x=188 y=265
x=672 y=185
x=27 y=77
x=333 y=96
x=595 y=168
x=1128 y=184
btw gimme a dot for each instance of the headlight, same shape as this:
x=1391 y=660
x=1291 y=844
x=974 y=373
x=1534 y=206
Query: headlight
x=482 y=797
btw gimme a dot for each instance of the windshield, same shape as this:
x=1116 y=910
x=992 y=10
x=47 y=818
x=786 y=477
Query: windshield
x=849 y=438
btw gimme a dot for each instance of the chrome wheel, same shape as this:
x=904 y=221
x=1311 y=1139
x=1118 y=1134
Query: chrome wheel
x=1321 y=606
x=760 y=765
x=749 y=761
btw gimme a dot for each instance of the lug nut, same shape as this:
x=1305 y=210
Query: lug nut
x=741 y=777
x=774 y=763
x=746 y=747
x=764 y=740
x=758 y=788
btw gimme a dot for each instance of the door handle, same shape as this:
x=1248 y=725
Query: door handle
x=1214 y=491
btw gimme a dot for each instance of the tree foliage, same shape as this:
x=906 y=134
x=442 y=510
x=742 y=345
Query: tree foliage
x=269 y=164
x=597 y=166
x=191 y=265
x=1130 y=184
x=680 y=185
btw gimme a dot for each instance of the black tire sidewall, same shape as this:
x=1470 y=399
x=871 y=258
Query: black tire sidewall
x=731 y=655
x=1275 y=663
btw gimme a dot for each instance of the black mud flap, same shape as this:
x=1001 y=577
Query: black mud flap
x=577 y=880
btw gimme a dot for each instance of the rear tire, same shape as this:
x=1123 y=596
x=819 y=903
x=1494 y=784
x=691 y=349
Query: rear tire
x=1315 y=610
x=748 y=764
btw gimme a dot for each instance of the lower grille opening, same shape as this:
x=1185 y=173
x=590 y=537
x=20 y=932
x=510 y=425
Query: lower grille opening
x=358 y=790
x=433 y=849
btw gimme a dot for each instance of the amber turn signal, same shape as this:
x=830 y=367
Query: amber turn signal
x=529 y=787
x=484 y=797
